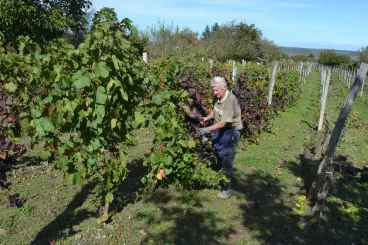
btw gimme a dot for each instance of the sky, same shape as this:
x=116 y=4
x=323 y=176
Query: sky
x=339 y=25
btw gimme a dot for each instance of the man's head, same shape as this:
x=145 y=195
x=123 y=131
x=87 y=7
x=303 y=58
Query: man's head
x=219 y=87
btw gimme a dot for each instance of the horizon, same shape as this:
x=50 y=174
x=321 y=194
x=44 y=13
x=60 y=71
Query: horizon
x=304 y=24
x=322 y=49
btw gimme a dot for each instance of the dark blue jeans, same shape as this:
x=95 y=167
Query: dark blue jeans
x=228 y=161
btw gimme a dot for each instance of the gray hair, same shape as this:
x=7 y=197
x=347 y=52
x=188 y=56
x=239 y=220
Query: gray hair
x=220 y=81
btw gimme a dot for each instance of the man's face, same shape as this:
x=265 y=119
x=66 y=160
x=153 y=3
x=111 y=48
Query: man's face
x=218 y=91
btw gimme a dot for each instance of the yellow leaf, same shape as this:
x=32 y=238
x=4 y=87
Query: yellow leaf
x=103 y=218
x=159 y=176
x=191 y=143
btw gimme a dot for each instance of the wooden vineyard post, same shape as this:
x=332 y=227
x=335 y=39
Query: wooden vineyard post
x=234 y=74
x=362 y=90
x=211 y=63
x=145 y=57
x=272 y=84
x=324 y=100
x=322 y=181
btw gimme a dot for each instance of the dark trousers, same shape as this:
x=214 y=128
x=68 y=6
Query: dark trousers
x=227 y=162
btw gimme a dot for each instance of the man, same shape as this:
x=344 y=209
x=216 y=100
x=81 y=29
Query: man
x=227 y=126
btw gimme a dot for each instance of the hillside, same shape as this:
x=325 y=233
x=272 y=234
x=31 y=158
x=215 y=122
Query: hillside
x=316 y=52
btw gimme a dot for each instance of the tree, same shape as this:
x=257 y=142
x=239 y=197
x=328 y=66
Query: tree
x=235 y=41
x=206 y=33
x=363 y=56
x=270 y=52
x=215 y=27
x=301 y=57
x=41 y=20
x=165 y=40
x=331 y=58
x=77 y=35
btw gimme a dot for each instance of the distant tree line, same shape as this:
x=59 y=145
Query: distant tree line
x=364 y=55
x=331 y=58
x=232 y=40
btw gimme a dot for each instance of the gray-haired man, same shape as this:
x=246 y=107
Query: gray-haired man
x=227 y=126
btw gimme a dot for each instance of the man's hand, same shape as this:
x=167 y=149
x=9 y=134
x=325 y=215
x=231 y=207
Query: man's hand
x=203 y=131
x=204 y=120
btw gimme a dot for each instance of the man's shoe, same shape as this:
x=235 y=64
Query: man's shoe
x=225 y=194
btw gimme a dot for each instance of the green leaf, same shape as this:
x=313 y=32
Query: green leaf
x=101 y=96
x=113 y=123
x=95 y=144
x=102 y=70
x=168 y=171
x=61 y=149
x=157 y=99
x=64 y=82
x=139 y=118
x=124 y=94
x=37 y=54
x=174 y=123
x=47 y=125
x=144 y=180
x=153 y=158
x=108 y=184
x=10 y=86
x=115 y=61
x=100 y=113
x=109 y=197
x=63 y=162
x=76 y=178
x=168 y=160
x=161 y=120
x=35 y=113
x=24 y=124
x=44 y=155
x=81 y=81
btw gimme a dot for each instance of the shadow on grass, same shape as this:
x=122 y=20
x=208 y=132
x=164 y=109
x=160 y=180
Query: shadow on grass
x=268 y=214
x=336 y=224
x=267 y=207
x=63 y=224
x=309 y=125
x=130 y=190
x=271 y=213
x=184 y=221
x=13 y=162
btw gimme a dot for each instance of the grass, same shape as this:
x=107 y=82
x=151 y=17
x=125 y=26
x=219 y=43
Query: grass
x=272 y=179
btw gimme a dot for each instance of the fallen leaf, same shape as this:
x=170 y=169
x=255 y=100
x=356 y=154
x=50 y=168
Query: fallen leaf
x=142 y=232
